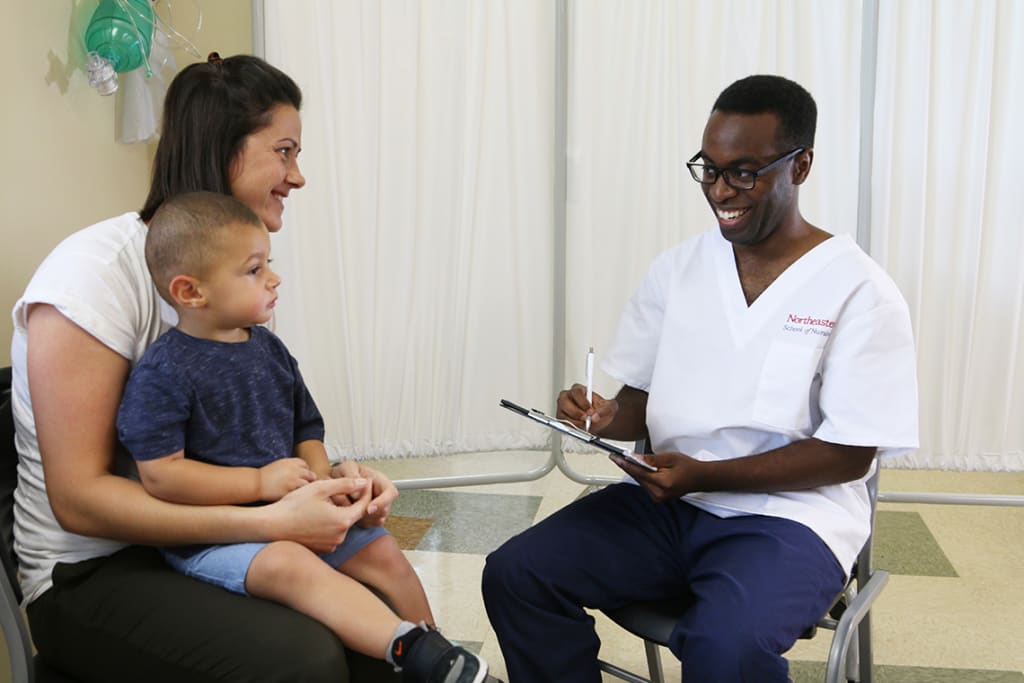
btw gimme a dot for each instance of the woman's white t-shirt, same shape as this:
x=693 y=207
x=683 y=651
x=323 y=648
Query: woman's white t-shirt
x=98 y=279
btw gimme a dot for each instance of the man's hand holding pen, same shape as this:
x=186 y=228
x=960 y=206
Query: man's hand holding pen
x=574 y=406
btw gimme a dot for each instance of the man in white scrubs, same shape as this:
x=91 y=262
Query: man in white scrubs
x=768 y=362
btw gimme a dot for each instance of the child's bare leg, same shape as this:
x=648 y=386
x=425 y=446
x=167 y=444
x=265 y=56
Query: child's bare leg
x=291 y=574
x=382 y=564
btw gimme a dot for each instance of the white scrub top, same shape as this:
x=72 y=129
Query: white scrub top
x=826 y=351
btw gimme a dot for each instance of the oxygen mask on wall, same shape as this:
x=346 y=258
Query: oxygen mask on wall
x=118 y=40
x=130 y=47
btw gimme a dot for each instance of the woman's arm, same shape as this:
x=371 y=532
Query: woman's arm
x=76 y=384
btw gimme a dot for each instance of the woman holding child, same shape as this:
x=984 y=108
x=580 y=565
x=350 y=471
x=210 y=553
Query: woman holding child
x=101 y=602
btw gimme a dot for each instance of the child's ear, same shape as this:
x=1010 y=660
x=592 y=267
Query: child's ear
x=185 y=291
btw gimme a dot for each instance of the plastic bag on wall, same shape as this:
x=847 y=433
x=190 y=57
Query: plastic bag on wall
x=143 y=98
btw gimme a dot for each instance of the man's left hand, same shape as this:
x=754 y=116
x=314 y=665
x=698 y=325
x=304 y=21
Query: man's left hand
x=676 y=474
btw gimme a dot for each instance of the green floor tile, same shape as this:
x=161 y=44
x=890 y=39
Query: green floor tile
x=904 y=545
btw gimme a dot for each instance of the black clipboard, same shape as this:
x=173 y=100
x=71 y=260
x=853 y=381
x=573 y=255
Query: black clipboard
x=575 y=432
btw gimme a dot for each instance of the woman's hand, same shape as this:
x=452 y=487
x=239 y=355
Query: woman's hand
x=308 y=515
x=382 y=491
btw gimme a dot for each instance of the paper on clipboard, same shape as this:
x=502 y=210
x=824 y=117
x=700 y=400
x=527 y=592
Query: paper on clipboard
x=577 y=433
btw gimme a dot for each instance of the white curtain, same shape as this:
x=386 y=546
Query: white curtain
x=418 y=263
x=945 y=220
x=643 y=77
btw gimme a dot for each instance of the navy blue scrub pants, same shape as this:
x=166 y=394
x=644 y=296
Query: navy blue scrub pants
x=755 y=583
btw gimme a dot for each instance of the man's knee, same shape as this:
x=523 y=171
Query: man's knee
x=737 y=653
x=494 y=573
x=504 y=573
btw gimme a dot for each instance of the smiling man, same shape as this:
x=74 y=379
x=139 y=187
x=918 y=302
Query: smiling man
x=768 y=362
x=757 y=150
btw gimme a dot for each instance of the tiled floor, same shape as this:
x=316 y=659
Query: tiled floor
x=952 y=611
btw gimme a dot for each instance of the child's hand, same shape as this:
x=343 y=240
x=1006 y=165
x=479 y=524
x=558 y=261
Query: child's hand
x=361 y=493
x=282 y=476
x=382 y=491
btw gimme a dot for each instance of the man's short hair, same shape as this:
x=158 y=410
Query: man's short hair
x=185 y=232
x=768 y=94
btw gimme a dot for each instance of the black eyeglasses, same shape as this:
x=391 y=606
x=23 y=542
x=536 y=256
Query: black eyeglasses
x=736 y=178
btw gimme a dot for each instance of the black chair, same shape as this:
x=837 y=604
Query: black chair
x=849 y=657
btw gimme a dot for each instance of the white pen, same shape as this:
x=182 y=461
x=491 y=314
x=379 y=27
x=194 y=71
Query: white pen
x=590 y=381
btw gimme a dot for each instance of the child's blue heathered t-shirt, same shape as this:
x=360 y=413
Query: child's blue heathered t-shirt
x=238 y=404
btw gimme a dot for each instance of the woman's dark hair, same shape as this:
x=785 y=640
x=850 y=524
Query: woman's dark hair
x=210 y=108
x=761 y=94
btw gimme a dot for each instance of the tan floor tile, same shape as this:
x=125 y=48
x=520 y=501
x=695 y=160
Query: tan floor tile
x=452 y=583
x=408 y=531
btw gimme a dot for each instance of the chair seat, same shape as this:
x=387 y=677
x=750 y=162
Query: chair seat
x=655 y=620
x=652 y=621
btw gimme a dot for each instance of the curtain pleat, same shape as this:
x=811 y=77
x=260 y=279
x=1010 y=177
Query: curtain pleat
x=944 y=220
x=416 y=263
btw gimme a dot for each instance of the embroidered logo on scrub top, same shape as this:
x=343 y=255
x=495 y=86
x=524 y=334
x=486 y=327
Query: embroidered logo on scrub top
x=807 y=325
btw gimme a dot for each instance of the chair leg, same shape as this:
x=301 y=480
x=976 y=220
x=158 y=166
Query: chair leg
x=619 y=672
x=863 y=649
x=853 y=654
x=654 y=662
x=853 y=673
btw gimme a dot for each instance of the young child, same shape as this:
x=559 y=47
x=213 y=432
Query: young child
x=216 y=413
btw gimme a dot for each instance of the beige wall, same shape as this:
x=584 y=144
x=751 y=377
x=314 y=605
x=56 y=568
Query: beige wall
x=62 y=168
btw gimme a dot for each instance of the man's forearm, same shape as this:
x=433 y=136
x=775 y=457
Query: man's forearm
x=805 y=464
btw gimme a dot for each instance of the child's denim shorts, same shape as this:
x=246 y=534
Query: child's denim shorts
x=227 y=565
